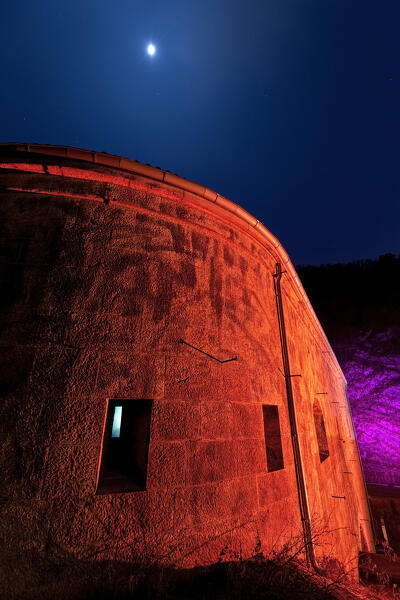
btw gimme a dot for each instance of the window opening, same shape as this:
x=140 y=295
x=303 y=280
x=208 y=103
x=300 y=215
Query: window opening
x=321 y=432
x=123 y=466
x=116 y=427
x=338 y=429
x=273 y=440
x=363 y=541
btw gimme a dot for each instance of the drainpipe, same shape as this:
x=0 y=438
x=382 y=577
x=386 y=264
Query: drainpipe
x=301 y=487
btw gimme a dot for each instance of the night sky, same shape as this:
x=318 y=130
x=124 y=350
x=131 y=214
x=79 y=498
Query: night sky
x=291 y=108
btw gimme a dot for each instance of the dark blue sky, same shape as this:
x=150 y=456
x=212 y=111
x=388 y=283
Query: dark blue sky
x=291 y=108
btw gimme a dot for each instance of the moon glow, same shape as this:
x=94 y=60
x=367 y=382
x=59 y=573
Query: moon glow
x=151 y=49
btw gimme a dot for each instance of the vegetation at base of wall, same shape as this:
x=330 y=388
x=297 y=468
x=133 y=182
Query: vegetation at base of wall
x=53 y=572
x=39 y=575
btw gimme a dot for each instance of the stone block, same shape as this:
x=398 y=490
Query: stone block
x=190 y=375
x=287 y=450
x=59 y=370
x=250 y=456
x=210 y=461
x=243 y=498
x=68 y=420
x=247 y=421
x=166 y=465
x=24 y=526
x=72 y=468
x=175 y=421
x=124 y=375
x=236 y=382
x=216 y=420
x=207 y=504
x=22 y=472
x=275 y=486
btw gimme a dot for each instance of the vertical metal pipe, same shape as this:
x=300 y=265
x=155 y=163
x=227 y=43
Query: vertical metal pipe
x=301 y=487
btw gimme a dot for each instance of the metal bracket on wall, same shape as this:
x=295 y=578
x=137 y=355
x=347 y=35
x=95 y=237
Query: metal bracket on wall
x=283 y=374
x=206 y=353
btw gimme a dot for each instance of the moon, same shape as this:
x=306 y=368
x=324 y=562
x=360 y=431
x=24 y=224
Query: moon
x=151 y=49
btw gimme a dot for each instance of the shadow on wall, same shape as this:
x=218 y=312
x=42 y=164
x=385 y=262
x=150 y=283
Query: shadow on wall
x=40 y=575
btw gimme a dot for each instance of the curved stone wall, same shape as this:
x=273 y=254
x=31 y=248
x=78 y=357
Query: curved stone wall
x=120 y=287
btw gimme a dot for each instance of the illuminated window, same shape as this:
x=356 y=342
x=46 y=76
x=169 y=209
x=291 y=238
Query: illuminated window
x=123 y=465
x=321 y=432
x=273 y=442
x=116 y=426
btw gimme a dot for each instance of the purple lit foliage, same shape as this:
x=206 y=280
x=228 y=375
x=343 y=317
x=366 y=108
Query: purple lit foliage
x=371 y=364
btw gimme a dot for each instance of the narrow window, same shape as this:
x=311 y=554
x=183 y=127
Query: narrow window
x=321 y=432
x=338 y=429
x=116 y=426
x=273 y=442
x=123 y=465
x=363 y=541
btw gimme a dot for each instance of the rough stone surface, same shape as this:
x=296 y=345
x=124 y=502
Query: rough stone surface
x=97 y=297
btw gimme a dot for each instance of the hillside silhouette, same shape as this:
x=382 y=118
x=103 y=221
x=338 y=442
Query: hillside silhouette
x=359 y=295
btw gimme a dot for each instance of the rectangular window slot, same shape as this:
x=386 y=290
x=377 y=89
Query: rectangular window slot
x=273 y=440
x=126 y=439
x=116 y=426
x=320 y=430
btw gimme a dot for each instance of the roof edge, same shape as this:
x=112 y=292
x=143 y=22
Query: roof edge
x=161 y=176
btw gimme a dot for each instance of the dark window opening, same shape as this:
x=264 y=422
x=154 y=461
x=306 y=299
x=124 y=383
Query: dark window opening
x=123 y=465
x=273 y=441
x=363 y=541
x=321 y=432
x=338 y=429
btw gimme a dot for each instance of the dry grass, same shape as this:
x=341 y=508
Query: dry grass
x=31 y=576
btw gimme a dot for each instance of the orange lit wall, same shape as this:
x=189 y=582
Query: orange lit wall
x=105 y=269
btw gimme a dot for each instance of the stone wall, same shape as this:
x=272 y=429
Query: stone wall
x=105 y=274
